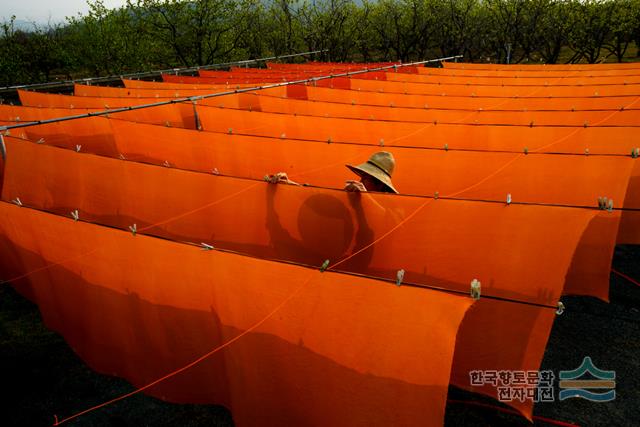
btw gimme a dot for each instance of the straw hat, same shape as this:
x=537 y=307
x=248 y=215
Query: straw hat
x=380 y=166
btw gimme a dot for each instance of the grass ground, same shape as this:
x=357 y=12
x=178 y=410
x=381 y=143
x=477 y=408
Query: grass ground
x=42 y=376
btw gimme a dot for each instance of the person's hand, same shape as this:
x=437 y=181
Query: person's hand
x=354 y=186
x=280 y=178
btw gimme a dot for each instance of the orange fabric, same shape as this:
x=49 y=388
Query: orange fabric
x=542 y=67
x=396 y=100
x=174 y=115
x=462 y=240
x=256 y=102
x=341 y=350
x=461 y=89
x=525 y=72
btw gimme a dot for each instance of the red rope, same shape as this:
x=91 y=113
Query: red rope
x=624 y=276
x=512 y=411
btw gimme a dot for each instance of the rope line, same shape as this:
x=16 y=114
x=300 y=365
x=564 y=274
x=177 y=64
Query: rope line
x=510 y=411
x=191 y=99
x=624 y=276
x=158 y=72
x=192 y=363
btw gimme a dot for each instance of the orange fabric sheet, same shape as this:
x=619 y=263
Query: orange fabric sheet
x=555 y=81
x=542 y=67
x=462 y=240
x=520 y=72
x=175 y=115
x=256 y=102
x=140 y=308
x=396 y=100
x=440 y=89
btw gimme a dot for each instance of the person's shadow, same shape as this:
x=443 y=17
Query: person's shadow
x=328 y=229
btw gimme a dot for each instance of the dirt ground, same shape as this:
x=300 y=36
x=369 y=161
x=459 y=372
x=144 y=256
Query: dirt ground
x=42 y=376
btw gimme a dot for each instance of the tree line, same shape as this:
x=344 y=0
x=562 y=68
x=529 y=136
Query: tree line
x=157 y=34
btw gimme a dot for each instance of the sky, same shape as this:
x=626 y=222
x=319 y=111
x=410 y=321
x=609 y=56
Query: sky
x=43 y=11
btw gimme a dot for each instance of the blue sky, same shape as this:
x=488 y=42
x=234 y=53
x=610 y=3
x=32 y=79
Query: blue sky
x=43 y=11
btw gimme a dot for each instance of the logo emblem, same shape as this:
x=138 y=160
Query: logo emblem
x=572 y=386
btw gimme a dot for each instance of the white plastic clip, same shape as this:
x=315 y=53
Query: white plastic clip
x=329 y=140
x=526 y=150
x=40 y=141
x=560 y=309
x=230 y=131
x=509 y=198
x=215 y=171
x=17 y=201
x=283 y=136
x=382 y=142
x=75 y=215
x=324 y=265
x=475 y=289
x=167 y=124
x=122 y=157
x=399 y=277
x=134 y=229
x=602 y=202
x=436 y=195
x=78 y=147
x=166 y=164
x=446 y=147
x=206 y=247
x=610 y=205
x=586 y=151
x=635 y=153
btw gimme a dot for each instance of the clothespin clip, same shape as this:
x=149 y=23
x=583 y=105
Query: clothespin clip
x=17 y=118
x=122 y=157
x=206 y=247
x=399 y=277
x=71 y=106
x=324 y=266
x=134 y=229
x=635 y=153
x=382 y=142
x=167 y=124
x=531 y=124
x=215 y=171
x=436 y=195
x=78 y=147
x=475 y=289
x=508 y=198
x=586 y=151
x=75 y=215
x=17 y=201
x=392 y=105
x=40 y=141
x=585 y=124
x=526 y=150
x=560 y=309
x=7 y=132
x=283 y=136
x=230 y=131
x=329 y=140
x=446 y=147
x=435 y=122
x=166 y=164
x=610 y=205
x=602 y=202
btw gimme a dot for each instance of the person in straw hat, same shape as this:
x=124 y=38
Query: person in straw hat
x=375 y=175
